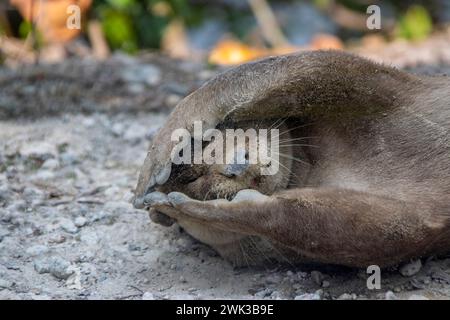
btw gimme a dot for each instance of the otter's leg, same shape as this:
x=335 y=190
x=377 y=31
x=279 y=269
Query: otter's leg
x=327 y=225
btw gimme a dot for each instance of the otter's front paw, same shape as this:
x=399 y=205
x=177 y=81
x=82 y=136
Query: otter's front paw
x=220 y=210
x=161 y=210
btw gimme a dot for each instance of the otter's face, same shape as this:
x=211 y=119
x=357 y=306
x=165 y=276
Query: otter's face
x=206 y=182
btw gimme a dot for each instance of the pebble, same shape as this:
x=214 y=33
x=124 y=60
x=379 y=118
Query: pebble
x=89 y=122
x=389 y=295
x=57 y=238
x=148 y=296
x=172 y=100
x=50 y=164
x=135 y=133
x=56 y=266
x=345 y=296
x=41 y=150
x=136 y=87
x=410 y=269
x=37 y=250
x=417 y=297
x=317 y=277
x=43 y=175
x=5 y=284
x=145 y=73
x=308 y=296
x=273 y=279
x=68 y=226
x=263 y=293
x=439 y=275
x=118 y=129
x=80 y=221
x=3 y=233
x=69 y=158
x=32 y=193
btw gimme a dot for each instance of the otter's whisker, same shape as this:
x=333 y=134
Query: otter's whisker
x=290 y=172
x=301 y=138
x=299 y=145
x=244 y=255
x=261 y=251
x=298 y=127
x=206 y=195
x=292 y=158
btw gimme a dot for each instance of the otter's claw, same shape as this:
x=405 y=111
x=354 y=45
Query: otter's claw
x=177 y=198
x=163 y=175
x=156 y=198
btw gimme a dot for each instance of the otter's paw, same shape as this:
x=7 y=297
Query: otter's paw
x=161 y=211
x=233 y=215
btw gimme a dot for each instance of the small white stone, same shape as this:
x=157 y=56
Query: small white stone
x=148 y=296
x=308 y=296
x=40 y=150
x=80 y=221
x=50 y=164
x=89 y=122
x=345 y=296
x=43 y=175
x=417 y=297
x=410 y=269
x=37 y=250
x=118 y=129
x=68 y=226
x=135 y=133
x=389 y=295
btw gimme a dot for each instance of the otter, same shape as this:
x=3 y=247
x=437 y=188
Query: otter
x=374 y=189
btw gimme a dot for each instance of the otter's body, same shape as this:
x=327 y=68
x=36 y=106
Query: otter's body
x=373 y=182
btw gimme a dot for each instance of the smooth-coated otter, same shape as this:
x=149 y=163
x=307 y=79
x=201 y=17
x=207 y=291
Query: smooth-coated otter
x=377 y=186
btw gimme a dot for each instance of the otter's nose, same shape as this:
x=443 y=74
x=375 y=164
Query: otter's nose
x=239 y=165
x=232 y=170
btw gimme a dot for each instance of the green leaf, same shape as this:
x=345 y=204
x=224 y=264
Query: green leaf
x=119 y=30
x=122 y=4
x=415 y=24
x=25 y=28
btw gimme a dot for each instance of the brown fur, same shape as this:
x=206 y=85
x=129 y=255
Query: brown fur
x=378 y=187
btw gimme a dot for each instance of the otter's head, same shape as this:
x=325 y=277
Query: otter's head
x=263 y=164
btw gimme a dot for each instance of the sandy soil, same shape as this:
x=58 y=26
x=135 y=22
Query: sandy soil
x=68 y=230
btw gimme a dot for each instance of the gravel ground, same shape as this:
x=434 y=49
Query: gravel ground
x=68 y=230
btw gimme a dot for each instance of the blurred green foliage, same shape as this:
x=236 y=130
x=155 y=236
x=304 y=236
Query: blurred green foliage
x=130 y=25
x=415 y=24
x=133 y=24
x=25 y=28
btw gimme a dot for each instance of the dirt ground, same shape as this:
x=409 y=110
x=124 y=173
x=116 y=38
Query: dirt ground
x=68 y=164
